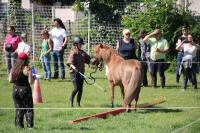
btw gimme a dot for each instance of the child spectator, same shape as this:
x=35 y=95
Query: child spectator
x=47 y=46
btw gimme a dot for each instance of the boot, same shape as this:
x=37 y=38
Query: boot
x=78 y=104
x=184 y=84
x=154 y=82
x=71 y=100
x=162 y=82
x=71 y=103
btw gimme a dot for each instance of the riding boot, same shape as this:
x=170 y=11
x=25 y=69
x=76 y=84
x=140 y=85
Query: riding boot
x=184 y=84
x=71 y=99
x=162 y=82
x=79 y=98
x=154 y=82
x=78 y=104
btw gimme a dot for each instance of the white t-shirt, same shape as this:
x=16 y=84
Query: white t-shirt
x=189 y=51
x=23 y=47
x=58 y=35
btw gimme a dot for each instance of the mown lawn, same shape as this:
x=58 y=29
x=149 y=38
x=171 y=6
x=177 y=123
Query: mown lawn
x=180 y=112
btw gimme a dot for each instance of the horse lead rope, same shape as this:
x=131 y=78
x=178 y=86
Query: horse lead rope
x=91 y=78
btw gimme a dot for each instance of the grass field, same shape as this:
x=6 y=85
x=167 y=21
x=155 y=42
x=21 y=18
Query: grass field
x=180 y=113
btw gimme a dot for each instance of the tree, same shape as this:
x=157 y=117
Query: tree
x=166 y=15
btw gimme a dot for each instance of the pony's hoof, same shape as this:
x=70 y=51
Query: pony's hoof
x=128 y=110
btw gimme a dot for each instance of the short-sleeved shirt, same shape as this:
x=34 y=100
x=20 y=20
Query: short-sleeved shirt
x=161 y=44
x=58 y=35
x=14 y=40
x=189 y=51
x=78 y=60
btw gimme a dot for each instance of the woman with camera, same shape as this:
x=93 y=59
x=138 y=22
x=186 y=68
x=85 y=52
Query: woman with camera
x=10 y=45
x=184 y=35
x=188 y=64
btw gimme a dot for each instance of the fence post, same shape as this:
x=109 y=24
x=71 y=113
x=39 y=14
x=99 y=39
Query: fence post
x=89 y=31
x=33 y=31
x=53 y=13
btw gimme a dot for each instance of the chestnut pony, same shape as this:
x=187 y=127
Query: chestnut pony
x=125 y=73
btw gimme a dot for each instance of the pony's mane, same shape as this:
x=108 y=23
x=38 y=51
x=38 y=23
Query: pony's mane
x=108 y=51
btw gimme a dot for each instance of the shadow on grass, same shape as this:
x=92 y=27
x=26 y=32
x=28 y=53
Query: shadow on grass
x=159 y=109
x=71 y=128
x=108 y=105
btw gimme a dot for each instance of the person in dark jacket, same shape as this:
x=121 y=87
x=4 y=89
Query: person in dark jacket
x=76 y=61
x=21 y=77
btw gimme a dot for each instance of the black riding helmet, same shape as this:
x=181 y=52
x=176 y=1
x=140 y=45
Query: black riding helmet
x=78 y=40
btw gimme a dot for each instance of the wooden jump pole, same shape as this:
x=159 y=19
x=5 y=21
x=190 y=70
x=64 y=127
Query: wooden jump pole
x=118 y=111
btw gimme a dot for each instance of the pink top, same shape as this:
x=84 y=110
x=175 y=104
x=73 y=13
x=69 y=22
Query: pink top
x=14 y=40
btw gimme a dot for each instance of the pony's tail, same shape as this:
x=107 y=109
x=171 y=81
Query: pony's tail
x=134 y=86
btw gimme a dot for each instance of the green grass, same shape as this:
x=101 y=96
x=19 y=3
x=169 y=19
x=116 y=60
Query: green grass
x=56 y=93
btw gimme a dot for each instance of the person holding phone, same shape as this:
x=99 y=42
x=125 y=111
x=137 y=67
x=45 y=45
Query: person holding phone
x=181 y=40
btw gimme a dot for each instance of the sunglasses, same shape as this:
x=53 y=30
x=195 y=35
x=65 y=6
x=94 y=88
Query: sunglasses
x=127 y=34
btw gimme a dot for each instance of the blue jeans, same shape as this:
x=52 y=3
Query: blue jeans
x=178 y=63
x=10 y=60
x=47 y=67
x=58 y=58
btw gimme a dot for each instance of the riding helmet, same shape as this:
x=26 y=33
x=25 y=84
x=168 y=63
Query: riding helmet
x=78 y=40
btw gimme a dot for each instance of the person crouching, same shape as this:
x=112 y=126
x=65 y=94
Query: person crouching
x=76 y=62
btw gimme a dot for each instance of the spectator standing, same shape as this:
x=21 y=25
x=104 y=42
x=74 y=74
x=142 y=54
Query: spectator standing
x=76 y=61
x=184 y=35
x=126 y=47
x=10 y=45
x=59 y=37
x=159 y=48
x=21 y=77
x=47 y=46
x=188 y=61
x=145 y=56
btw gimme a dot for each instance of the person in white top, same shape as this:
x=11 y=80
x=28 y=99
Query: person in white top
x=188 y=61
x=23 y=46
x=59 y=37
